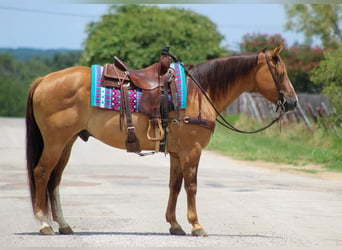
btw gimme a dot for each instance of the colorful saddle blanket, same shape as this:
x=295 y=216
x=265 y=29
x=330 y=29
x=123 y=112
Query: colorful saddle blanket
x=110 y=98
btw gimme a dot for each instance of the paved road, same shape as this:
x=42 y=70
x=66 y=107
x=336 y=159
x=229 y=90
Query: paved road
x=112 y=198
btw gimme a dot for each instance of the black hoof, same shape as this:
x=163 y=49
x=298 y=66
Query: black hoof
x=66 y=230
x=176 y=231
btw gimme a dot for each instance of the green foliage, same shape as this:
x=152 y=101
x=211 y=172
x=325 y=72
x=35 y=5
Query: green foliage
x=320 y=20
x=294 y=145
x=16 y=75
x=257 y=42
x=329 y=74
x=137 y=33
x=62 y=60
x=299 y=59
x=12 y=90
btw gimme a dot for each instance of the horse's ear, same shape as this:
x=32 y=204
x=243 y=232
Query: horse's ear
x=277 y=50
x=264 y=50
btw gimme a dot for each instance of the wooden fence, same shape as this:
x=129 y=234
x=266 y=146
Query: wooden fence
x=309 y=109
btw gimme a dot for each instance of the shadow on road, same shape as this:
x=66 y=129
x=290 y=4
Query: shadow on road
x=155 y=234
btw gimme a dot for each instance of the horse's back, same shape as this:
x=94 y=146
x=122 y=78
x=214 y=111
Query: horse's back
x=59 y=82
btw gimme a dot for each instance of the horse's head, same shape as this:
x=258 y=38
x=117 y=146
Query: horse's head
x=272 y=80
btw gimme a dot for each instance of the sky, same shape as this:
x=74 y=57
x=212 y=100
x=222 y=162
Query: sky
x=62 y=25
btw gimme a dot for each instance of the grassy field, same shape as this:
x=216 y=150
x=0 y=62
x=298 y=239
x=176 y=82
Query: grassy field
x=292 y=144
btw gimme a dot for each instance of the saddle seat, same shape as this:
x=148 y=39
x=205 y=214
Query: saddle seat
x=147 y=78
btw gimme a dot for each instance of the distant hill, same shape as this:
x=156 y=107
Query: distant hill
x=26 y=54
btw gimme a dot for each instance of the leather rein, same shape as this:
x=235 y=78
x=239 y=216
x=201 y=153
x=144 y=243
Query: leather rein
x=220 y=119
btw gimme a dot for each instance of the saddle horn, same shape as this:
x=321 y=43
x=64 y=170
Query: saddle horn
x=120 y=64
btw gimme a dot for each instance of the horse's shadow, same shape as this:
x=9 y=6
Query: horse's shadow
x=100 y=233
x=155 y=234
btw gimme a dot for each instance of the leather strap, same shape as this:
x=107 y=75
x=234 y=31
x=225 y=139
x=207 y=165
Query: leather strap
x=164 y=108
x=132 y=142
x=200 y=122
x=173 y=88
x=281 y=100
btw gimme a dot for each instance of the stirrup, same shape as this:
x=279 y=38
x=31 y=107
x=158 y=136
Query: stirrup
x=159 y=131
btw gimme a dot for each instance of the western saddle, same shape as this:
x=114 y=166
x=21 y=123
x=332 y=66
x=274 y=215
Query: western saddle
x=156 y=82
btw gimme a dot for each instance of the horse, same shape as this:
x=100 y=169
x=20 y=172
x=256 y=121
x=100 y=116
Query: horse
x=58 y=112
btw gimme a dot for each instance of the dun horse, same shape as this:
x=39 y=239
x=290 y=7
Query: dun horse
x=59 y=111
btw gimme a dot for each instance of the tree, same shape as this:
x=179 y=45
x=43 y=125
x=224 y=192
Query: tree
x=257 y=41
x=299 y=59
x=321 y=20
x=16 y=75
x=63 y=60
x=329 y=74
x=137 y=33
x=12 y=90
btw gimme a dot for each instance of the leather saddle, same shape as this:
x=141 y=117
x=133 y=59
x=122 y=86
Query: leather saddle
x=147 y=78
x=155 y=82
x=151 y=80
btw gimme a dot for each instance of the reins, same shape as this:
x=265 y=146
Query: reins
x=223 y=121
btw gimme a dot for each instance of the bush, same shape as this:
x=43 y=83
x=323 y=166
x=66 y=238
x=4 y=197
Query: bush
x=329 y=74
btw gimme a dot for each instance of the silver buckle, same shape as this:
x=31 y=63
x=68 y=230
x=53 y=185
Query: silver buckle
x=130 y=129
x=186 y=119
x=175 y=121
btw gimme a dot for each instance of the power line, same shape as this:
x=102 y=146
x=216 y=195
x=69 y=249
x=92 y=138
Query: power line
x=45 y=12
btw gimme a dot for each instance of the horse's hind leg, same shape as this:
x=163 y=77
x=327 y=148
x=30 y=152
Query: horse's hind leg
x=176 y=179
x=42 y=172
x=53 y=188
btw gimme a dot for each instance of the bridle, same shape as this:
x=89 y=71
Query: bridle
x=221 y=120
x=281 y=100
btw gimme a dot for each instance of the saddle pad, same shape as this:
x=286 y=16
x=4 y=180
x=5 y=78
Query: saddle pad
x=180 y=83
x=110 y=98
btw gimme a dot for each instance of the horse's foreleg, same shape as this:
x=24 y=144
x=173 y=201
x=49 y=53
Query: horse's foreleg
x=190 y=168
x=175 y=184
x=53 y=187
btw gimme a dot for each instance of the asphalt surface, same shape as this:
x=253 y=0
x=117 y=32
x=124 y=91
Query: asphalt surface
x=112 y=198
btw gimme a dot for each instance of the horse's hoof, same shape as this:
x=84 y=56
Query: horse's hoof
x=177 y=231
x=66 y=230
x=46 y=231
x=199 y=232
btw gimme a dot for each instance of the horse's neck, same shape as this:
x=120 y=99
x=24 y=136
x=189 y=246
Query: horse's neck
x=234 y=90
x=226 y=78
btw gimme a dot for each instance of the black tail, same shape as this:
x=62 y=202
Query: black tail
x=34 y=140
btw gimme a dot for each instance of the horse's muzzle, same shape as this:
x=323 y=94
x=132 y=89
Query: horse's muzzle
x=290 y=104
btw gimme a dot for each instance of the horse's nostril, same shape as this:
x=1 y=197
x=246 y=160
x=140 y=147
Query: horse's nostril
x=288 y=106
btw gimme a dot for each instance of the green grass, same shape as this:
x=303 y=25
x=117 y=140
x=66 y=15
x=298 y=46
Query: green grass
x=294 y=144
